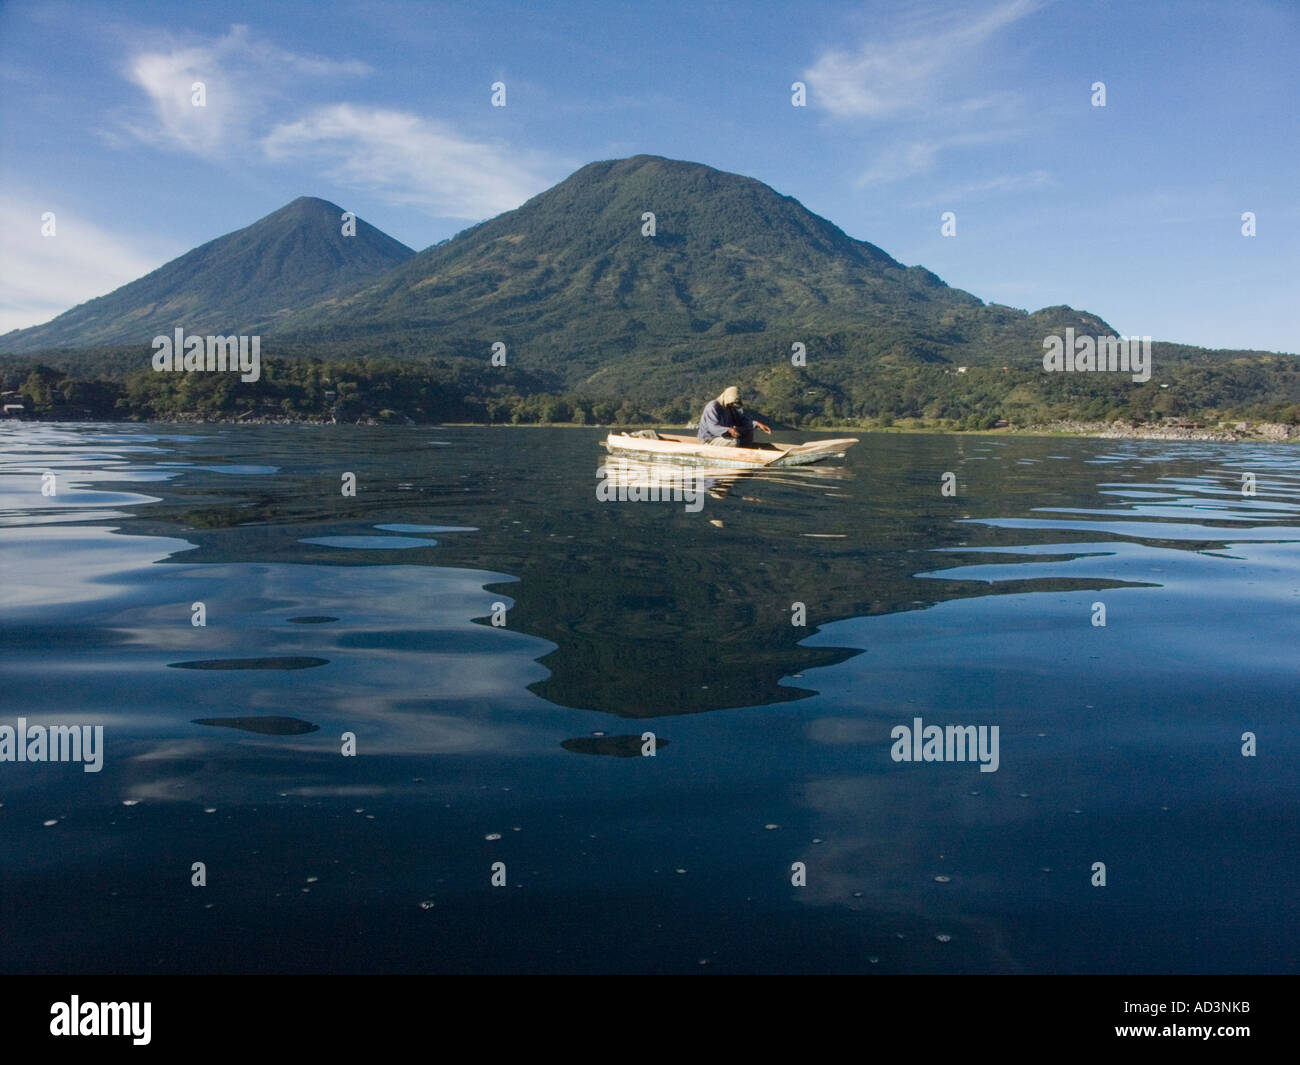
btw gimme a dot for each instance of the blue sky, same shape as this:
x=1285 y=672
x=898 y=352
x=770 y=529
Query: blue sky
x=1131 y=211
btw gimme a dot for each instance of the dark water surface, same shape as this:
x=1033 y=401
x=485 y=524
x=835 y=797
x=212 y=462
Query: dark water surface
x=521 y=743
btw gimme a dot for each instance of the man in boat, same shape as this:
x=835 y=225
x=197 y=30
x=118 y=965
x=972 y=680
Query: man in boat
x=725 y=423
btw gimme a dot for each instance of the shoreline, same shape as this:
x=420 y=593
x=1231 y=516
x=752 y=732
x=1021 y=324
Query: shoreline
x=1237 y=432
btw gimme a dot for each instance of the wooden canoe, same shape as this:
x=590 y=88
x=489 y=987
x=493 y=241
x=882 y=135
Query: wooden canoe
x=692 y=451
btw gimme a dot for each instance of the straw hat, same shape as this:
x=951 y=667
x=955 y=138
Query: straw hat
x=730 y=396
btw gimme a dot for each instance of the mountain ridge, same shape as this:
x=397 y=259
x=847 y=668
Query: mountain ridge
x=240 y=282
x=633 y=288
x=734 y=272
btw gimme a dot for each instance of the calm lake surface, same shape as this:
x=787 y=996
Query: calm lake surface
x=521 y=743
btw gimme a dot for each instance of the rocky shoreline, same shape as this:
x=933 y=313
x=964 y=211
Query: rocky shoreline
x=1222 y=433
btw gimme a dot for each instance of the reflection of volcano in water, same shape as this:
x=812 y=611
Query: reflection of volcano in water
x=657 y=610
x=266 y=726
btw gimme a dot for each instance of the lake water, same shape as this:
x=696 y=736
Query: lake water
x=520 y=742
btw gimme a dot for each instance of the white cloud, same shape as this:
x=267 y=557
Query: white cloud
x=41 y=277
x=402 y=157
x=411 y=161
x=909 y=72
x=242 y=78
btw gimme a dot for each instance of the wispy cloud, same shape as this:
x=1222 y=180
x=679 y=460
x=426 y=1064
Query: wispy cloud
x=1002 y=185
x=912 y=69
x=242 y=76
x=41 y=277
x=909 y=159
x=906 y=161
x=412 y=161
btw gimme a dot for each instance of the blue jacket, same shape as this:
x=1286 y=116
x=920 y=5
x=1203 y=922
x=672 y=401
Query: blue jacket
x=717 y=419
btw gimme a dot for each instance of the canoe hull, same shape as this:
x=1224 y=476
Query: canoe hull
x=688 y=450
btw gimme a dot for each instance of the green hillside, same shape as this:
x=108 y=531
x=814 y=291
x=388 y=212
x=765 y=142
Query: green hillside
x=734 y=275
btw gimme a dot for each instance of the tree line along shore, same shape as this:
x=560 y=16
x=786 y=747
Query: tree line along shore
x=1234 y=399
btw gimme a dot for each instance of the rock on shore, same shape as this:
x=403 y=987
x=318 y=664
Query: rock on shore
x=1171 y=431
